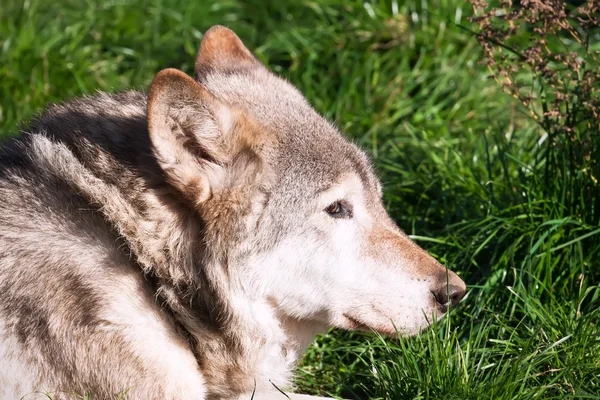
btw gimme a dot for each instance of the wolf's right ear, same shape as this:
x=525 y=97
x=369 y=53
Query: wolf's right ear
x=186 y=125
x=222 y=50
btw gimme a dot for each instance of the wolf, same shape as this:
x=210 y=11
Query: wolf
x=191 y=242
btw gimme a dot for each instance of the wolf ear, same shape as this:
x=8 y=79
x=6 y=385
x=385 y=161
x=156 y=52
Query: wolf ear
x=186 y=125
x=221 y=49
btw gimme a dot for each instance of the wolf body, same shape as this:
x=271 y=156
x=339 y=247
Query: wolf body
x=189 y=243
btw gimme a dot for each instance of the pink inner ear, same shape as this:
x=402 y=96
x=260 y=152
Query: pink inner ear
x=221 y=48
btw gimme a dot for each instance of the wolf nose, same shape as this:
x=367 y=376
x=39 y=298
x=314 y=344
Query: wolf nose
x=450 y=290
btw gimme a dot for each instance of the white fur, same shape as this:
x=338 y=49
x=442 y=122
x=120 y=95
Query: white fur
x=17 y=377
x=323 y=281
x=149 y=332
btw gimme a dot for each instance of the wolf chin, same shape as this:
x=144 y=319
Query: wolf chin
x=189 y=243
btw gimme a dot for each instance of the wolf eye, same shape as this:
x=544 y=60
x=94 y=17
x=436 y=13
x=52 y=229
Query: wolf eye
x=339 y=209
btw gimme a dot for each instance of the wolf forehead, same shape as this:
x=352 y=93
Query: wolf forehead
x=306 y=143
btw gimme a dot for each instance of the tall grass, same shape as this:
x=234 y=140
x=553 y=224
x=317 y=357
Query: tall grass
x=467 y=171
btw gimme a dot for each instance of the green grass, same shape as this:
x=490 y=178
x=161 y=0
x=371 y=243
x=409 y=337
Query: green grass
x=460 y=161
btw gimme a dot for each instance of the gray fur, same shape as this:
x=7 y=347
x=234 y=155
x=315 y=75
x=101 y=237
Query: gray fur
x=106 y=256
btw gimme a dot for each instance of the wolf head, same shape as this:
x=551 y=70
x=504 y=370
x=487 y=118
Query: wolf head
x=292 y=211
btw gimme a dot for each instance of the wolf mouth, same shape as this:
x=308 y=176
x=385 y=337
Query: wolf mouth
x=360 y=325
x=356 y=324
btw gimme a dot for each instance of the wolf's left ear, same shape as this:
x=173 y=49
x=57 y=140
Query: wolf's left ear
x=222 y=50
x=187 y=126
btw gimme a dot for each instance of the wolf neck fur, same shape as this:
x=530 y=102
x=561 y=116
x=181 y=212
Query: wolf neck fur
x=239 y=342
